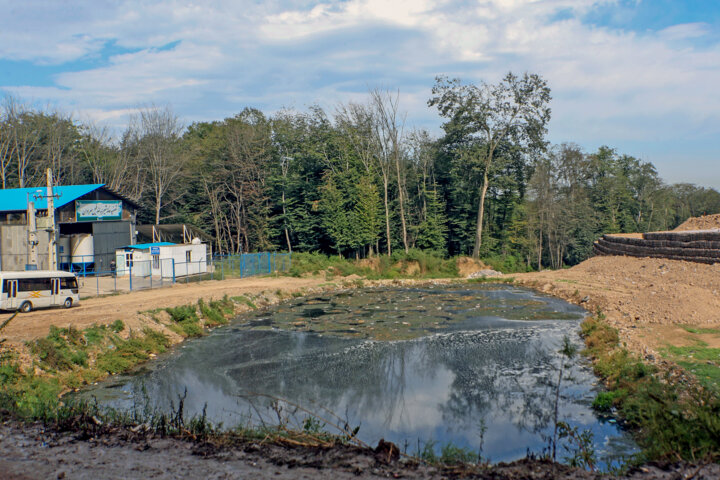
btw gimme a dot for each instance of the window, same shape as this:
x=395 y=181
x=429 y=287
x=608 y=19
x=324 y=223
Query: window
x=188 y=256
x=156 y=261
x=7 y=286
x=68 y=283
x=33 y=284
x=128 y=259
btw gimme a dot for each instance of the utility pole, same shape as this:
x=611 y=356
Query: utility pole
x=52 y=252
x=32 y=239
x=50 y=228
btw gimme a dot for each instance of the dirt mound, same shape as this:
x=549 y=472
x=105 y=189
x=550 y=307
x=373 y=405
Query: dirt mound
x=373 y=263
x=706 y=222
x=647 y=299
x=467 y=266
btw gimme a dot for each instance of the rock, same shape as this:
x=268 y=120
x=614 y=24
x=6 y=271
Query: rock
x=386 y=451
x=485 y=273
x=585 y=299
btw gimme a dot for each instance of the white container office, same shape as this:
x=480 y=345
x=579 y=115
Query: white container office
x=162 y=259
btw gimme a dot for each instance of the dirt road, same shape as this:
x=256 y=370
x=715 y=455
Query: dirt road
x=128 y=307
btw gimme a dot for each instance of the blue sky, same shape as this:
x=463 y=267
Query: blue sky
x=639 y=75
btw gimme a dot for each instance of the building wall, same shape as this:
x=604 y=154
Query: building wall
x=172 y=261
x=107 y=238
x=14 y=248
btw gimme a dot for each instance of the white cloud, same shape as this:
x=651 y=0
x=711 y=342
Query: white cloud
x=608 y=84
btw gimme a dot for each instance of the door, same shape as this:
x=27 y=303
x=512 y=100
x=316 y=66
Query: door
x=11 y=287
x=55 y=291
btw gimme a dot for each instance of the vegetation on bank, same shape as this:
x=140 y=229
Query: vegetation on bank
x=68 y=358
x=674 y=416
x=416 y=264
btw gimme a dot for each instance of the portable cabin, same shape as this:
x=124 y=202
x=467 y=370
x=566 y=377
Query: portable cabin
x=162 y=259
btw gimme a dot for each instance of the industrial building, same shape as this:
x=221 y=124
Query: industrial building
x=90 y=223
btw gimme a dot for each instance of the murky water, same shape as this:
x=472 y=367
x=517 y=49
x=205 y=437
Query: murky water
x=481 y=369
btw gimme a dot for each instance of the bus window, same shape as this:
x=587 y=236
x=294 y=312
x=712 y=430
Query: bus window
x=68 y=283
x=33 y=284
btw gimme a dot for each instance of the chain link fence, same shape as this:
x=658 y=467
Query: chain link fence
x=133 y=275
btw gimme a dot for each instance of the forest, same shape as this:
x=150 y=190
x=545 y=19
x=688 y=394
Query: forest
x=359 y=181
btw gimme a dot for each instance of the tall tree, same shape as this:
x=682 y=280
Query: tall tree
x=481 y=117
x=389 y=131
x=157 y=133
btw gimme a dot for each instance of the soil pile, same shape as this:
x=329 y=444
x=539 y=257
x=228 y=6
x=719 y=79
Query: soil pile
x=705 y=222
x=646 y=299
x=467 y=266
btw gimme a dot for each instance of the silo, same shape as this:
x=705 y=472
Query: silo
x=82 y=249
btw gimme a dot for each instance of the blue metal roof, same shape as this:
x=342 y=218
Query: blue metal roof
x=145 y=246
x=13 y=199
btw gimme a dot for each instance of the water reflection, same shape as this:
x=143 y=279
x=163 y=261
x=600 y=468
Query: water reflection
x=482 y=374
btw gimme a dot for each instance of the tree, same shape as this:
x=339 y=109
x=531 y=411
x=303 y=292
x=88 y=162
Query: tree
x=481 y=117
x=389 y=132
x=157 y=134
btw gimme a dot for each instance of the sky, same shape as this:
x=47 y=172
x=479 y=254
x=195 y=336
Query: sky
x=641 y=76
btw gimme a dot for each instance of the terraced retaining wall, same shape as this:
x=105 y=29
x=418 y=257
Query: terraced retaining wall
x=701 y=246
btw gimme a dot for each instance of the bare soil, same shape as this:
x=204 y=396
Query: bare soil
x=705 y=222
x=648 y=300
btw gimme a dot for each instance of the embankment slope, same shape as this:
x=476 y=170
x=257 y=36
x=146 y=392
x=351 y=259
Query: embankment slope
x=647 y=299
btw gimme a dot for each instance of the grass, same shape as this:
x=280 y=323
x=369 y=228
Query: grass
x=701 y=331
x=186 y=321
x=672 y=419
x=491 y=280
x=699 y=359
x=242 y=299
x=68 y=358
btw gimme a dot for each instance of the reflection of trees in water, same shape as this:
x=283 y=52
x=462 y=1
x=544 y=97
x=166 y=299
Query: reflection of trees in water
x=491 y=370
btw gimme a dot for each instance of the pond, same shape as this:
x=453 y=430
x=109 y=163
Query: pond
x=472 y=365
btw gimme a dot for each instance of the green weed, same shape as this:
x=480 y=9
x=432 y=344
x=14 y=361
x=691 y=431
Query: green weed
x=244 y=300
x=670 y=420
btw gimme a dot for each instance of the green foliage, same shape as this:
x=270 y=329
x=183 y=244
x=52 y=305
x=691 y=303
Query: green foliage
x=506 y=263
x=308 y=181
x=117 y=326
x=671 y=420
x=186 y=320
x=130 y=352
x=312 y=425
x=580 y=446
x=454 y=455
x=604 y=402
x=244 y=300
x=61 y=349
x=213 y=312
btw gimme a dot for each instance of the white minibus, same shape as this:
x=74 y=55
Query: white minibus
x=37 y=288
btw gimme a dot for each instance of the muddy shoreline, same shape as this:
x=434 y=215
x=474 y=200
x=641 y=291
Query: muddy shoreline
x=32 y=451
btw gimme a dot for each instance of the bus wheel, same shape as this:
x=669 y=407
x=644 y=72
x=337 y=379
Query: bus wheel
x=68 y=303
x=26 y=307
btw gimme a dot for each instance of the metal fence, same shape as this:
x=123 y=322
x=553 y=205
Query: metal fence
x=147 y=274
